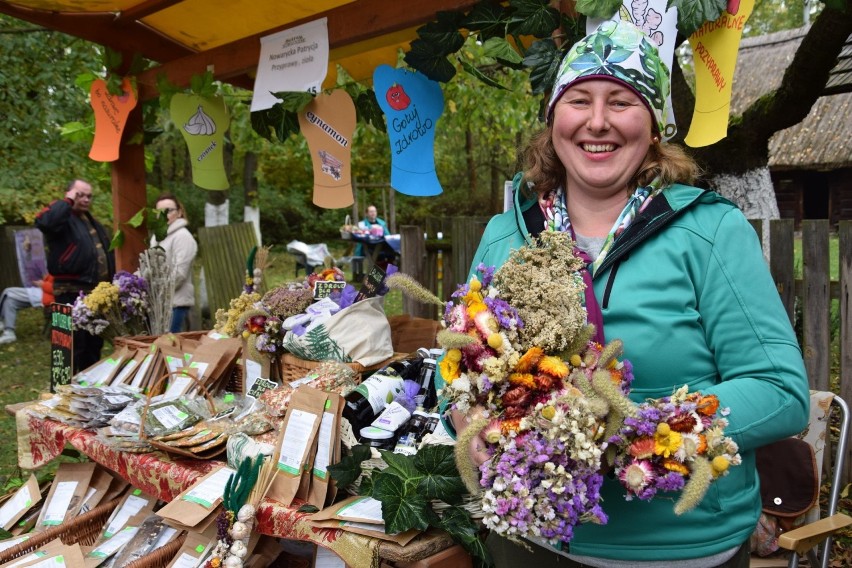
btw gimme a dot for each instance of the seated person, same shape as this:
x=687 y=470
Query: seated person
x=377 y=227
x=16 y=298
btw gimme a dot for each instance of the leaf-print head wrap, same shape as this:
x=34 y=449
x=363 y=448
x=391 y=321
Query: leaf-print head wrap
x=618 y=50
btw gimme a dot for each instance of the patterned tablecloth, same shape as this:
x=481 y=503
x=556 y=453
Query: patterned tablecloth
x=40 y=441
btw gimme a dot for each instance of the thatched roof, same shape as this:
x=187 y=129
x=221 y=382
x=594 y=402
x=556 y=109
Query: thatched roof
x=824 y=139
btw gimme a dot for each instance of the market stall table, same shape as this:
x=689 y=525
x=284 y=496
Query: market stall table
x=377 y=247
x=42 y=440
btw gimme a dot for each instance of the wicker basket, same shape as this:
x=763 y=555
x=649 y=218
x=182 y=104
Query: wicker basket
x=83 y=530
x=143 y=341
x=161 y=557
x=293 y=368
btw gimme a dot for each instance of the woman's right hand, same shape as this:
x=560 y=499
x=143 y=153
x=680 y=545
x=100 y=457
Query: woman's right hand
x=477 y=446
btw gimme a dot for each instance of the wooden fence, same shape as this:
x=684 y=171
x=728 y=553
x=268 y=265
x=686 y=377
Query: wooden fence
x=440 y=264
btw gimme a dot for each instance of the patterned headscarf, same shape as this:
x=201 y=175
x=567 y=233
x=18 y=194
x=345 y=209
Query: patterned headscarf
x=618 y=50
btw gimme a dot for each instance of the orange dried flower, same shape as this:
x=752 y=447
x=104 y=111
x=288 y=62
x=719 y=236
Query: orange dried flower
x=676 y=466
x=512 y=425
x=529 y=360
x=683 y=422
x=708 y=405
x=522 y=379
x=643 y=448
x=544 y=382
x=553 y=366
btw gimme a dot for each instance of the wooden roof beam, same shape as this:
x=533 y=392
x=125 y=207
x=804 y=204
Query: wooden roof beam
x=100 y=28
x=144 y=9
x=347 y=24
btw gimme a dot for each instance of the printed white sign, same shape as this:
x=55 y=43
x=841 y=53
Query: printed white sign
x=295 y=59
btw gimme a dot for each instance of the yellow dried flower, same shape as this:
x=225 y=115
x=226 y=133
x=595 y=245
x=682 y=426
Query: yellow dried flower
x=449 y=369
x=553 y=366
x=576 y=360
x=548 y=412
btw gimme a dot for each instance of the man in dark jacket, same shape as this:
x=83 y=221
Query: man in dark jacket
x=78 y=257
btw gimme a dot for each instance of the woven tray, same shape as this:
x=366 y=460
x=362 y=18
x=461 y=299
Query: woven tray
x=293 y=368
x=161 y=557
x=83 y=530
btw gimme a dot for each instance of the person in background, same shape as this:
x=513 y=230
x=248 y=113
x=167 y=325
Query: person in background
x=675 y=272
x=17 y=298
x=78 y=257
x=181 y=248
x=372 y=219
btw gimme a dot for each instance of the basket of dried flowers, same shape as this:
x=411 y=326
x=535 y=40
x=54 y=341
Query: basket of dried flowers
x=293 y=368
x=83 y=530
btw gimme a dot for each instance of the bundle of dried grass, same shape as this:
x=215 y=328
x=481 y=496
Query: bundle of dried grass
x=155 y=268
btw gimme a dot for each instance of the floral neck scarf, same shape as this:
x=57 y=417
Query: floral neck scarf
x=556 y=215
x=556 y=219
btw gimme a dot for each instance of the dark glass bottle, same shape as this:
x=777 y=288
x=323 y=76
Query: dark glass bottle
x=427 y=383
x=369 y=398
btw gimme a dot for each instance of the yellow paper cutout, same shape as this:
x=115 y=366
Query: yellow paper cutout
x=111 y=112
x=714 y=48
x=203 y=122
x=328 y=123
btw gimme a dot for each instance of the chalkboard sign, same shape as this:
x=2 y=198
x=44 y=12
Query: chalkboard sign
x=61 y=345
x=372 y=283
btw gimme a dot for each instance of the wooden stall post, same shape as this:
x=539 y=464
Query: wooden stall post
x=413 y=260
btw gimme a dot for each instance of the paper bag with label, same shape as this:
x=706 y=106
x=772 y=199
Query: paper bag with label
x=115 y=543
x=134 y=502
x=257 y=374
x=66 y=494
x=52 y=554
x=18 y=504
x=360 y=515
x=197 y=506
x=322 y=489
x=297 y=438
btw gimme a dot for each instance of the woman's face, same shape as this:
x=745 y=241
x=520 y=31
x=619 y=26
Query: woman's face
x=170 y=208
x=601 y=133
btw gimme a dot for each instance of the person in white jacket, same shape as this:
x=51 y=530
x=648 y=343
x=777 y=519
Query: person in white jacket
x=181 y=248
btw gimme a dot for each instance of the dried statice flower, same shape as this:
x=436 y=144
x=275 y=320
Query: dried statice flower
x=543 y=284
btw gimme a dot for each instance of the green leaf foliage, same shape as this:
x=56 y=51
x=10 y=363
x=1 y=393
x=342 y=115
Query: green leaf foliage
x=441 y=480
x=137 y=219
x=347 y=470
x=473 y=70
x=400 y=465
x=430 y=60
x=543 y=59
x=203 y=85
x=443 y=35
x=533 y=17
x=458 y=524
x=275 y=120
x=403 y=506
x=294 y=101
x=117 y=240
x=501 y=50
x=308 y=508
x=598 y=8
x=691 y=14
x=488 y=19
x=368 y=110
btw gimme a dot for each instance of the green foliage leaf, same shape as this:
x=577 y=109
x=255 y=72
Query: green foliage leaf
x=78 y=132
x=441 y=479
x=347 y=470
x=158 y=224
x=502 y=50
x=598 y=8
x=275 y=120
x=543 y=59
x=4 y=534
x=203 y=85
x=308 y=508
x=113 y=84
x=459 y=525
x=111 y=59
x=403 y=507
x=84 y=80
x=400 y=465
x=137 y=219
x=117 y=240
x=691 y=14
x=167 y=90
x=369 y=111
x=443 y=35
x=533 y=17
x=294 y=101
x=474 y=70
x=488 y=19
x=430 y=60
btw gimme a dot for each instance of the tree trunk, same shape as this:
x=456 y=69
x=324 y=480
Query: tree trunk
x=753 y=193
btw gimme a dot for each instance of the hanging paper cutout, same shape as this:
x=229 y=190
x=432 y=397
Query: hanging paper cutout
x=203 y=122
x=328 y=124
x=295 y=59
x=111 y=112
x=412 y=104
x=714 y=52
x=660 y=25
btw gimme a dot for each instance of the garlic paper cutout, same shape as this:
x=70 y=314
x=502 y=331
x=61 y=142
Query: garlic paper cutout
x=199 y=124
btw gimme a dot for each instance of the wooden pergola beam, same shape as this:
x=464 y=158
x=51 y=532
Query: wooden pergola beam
x=348 y=24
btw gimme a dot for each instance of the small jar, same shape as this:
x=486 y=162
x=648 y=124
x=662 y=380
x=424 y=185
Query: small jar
x=378 y=438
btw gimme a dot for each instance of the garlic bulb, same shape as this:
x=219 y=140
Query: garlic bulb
x=233 y=562
x=239 y=549
x=239 y=531
x=246 y=513
x=200 y=124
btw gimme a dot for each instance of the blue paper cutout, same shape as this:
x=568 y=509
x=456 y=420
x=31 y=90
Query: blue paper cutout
x=412 y=104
